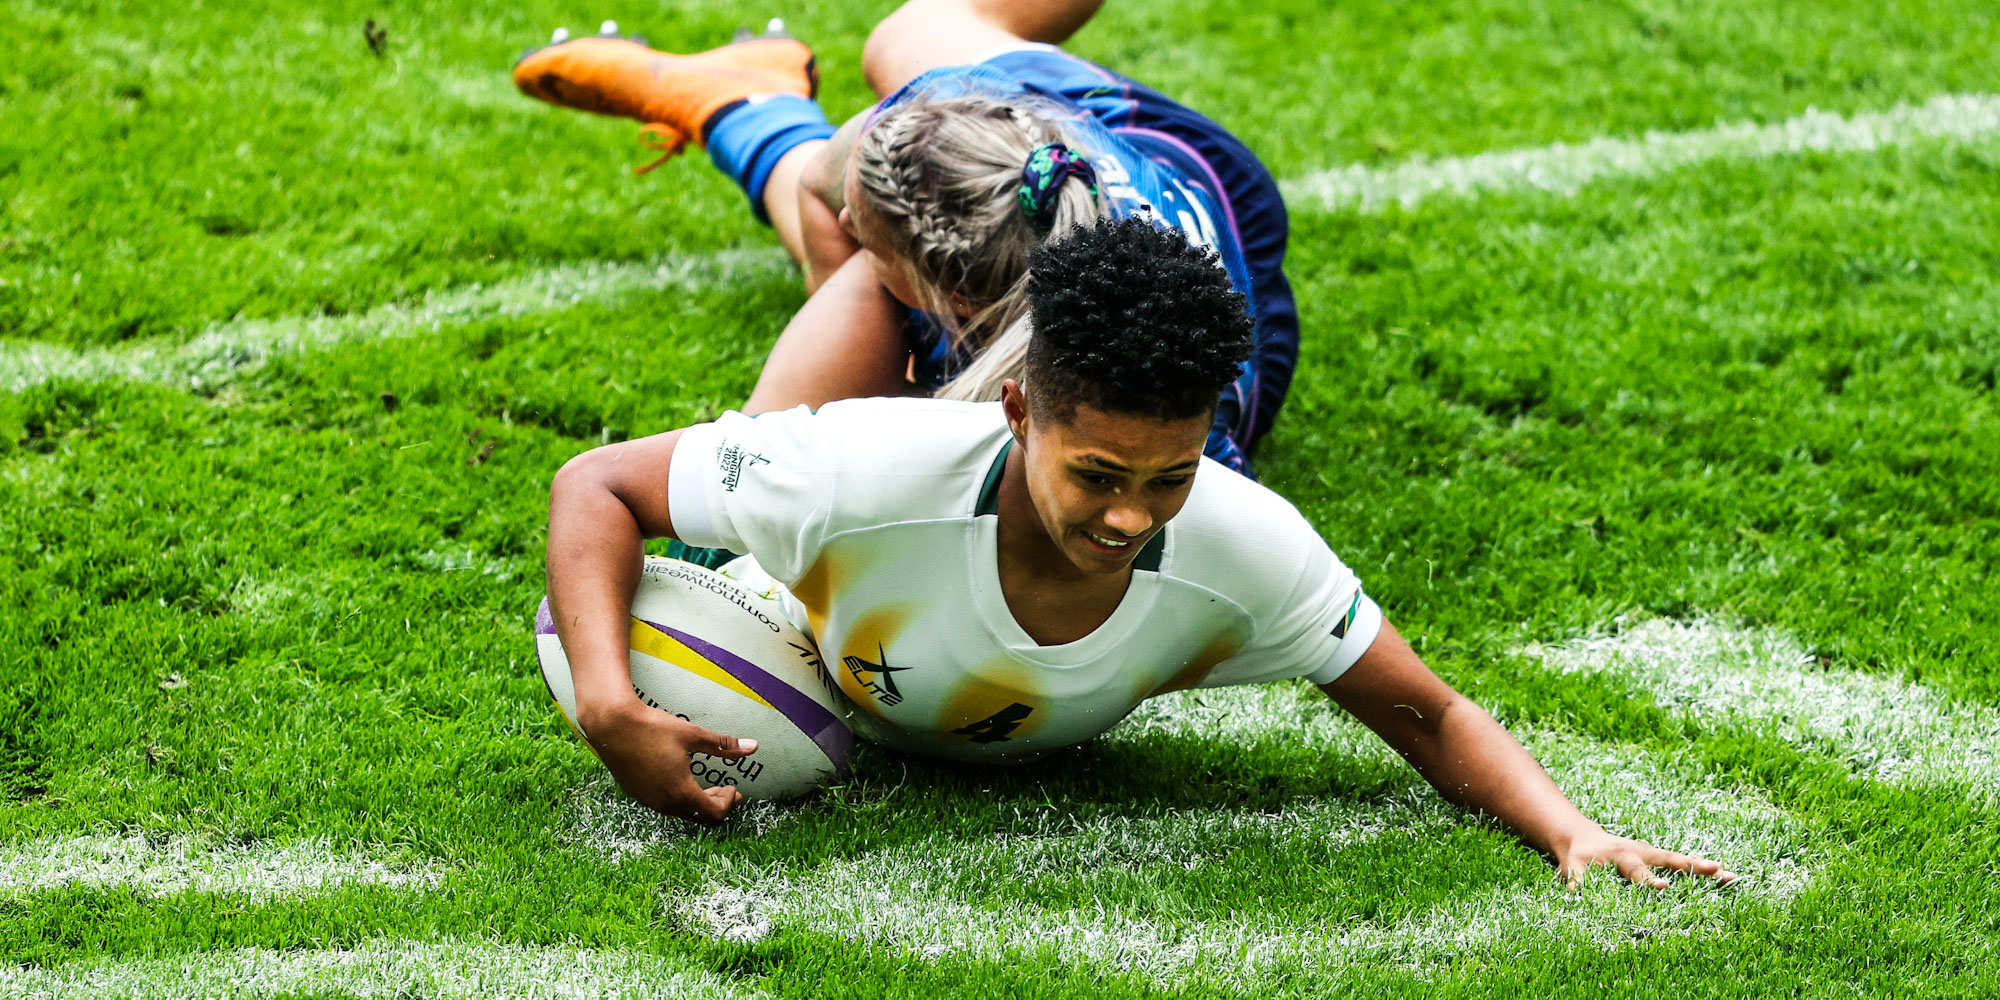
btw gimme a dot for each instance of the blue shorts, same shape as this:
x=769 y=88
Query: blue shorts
x=1202 y=154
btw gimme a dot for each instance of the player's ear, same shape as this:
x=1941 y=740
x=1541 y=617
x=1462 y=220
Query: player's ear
x=1014 y=403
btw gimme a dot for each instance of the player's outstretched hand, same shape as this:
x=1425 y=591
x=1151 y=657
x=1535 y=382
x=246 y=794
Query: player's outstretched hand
x=1636 y=860
x=649 y=751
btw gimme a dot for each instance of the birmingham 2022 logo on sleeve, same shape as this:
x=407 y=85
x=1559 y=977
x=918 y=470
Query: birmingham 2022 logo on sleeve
x=734 y=460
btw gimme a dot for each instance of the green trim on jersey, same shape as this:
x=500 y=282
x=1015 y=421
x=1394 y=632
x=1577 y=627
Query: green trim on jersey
x=989 y=491
x=1148 y=559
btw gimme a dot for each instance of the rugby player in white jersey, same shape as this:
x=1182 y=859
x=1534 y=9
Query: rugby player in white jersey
x=992 y=581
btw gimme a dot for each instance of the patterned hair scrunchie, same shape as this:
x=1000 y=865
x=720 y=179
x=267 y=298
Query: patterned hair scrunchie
x=1043 y=175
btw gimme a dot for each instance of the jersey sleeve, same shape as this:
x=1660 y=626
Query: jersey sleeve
x=1316 y=627
x=762 y=485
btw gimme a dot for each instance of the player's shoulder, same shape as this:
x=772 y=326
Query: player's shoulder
x=907 y=425
x=907 y=458
x=1237 y=537
x=859 y=418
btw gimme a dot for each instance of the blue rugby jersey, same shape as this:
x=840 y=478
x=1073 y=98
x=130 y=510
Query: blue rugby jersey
x=1136 y=174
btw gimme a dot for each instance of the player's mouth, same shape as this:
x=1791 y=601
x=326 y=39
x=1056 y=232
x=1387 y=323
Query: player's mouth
x=1114 y=548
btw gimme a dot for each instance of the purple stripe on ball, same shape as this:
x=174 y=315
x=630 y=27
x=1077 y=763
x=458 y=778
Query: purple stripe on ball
x=545 y=623
x=812 y=718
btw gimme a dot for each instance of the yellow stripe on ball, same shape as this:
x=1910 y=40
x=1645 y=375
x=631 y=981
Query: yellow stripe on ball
x=665 y=648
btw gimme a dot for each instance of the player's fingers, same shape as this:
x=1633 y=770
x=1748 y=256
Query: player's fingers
x=1690 y=864
x=1571 y=870
x=1636 y=872
x=713 y=804
x=716 y=745
x=1693 y=865
x=1661 y=858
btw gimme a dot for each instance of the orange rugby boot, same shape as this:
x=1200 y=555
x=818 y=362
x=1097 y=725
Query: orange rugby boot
x=676 y=96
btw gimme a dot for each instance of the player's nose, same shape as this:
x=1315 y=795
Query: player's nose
x=1128 y=519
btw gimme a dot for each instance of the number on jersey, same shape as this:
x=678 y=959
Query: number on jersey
x=994 y=728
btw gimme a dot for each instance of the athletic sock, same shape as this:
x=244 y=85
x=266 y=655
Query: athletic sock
x=747 y=141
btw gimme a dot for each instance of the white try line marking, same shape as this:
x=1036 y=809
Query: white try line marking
x=229 y=348
x=950 y=896
x=1560 y=169
x=1564 y=169
x=181 y=864
x=1765 y=681
x=469 y=969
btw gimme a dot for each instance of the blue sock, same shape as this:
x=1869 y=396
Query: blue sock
x=747 y=141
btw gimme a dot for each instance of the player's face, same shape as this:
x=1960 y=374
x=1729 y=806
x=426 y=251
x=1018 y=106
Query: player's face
x=860 y=222
x=866 y=229
x=1105 y=483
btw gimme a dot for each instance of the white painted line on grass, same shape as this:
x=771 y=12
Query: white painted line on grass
x=1564 y=168
x=467 y=559
x=1254 y=715
x=1561 y=168
x=974 y=897
x=180 y=864
x=469 y=969
x=606 y=821
x=1764 y=680
x=229 y=348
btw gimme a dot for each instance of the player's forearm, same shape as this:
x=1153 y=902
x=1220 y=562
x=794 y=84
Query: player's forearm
x=825 y=175
x=594 y=554
x=823 y=245
x=1474 y=762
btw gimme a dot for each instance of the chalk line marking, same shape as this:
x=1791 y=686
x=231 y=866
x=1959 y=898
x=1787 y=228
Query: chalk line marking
x=948 y=896
x=1563 y=169
x=230 y=348
x=1253 y=715
x=466 y=559
x=606 y=821
x=1764 y=680
x=1558 y=169
x=186 y=864
x=470 y=969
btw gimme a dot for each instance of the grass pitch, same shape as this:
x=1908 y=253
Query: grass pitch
x=1679 y=455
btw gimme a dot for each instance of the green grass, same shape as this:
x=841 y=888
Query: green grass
x=1754 y=392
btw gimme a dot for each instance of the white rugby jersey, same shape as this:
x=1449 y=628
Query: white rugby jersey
x=879 y=519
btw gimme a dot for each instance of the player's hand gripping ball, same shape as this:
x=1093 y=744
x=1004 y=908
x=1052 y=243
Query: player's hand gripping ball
x=724 y=657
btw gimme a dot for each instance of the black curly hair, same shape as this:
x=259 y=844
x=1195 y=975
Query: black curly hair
x=1130 y=318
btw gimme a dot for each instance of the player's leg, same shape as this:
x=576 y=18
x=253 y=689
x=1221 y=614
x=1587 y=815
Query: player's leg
x=808 y=228
x=750 y=104
x=923 y=35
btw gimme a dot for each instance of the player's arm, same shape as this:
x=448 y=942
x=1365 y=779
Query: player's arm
x=1474 y=762
x=846 y=342
x=820 y=193
x=603 y=504
x=825 y=175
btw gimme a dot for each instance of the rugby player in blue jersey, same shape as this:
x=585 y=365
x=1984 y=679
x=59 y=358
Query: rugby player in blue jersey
x=1031 y=568
x=913 y=222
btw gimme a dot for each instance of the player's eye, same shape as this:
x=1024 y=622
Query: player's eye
x=1172 y=482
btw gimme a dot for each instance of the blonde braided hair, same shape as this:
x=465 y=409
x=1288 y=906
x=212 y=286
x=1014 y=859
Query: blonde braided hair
x=943 y=174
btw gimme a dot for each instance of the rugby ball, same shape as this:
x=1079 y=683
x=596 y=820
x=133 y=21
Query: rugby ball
x=724 y=657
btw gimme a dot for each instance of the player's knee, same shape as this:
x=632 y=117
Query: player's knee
x=922 y=35
x=885 y=55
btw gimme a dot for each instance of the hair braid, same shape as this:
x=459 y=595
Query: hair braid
x=942 y=174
